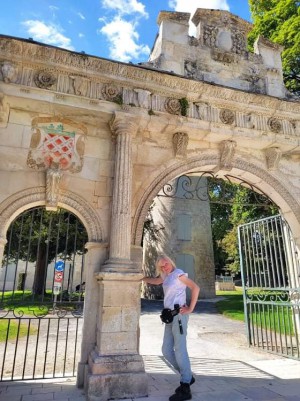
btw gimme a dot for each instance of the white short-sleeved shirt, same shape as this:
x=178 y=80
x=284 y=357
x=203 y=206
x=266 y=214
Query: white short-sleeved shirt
x=174 y=289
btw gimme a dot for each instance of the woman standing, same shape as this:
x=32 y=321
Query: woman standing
x=174 y=348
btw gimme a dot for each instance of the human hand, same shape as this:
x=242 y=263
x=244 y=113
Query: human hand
x=184 y=310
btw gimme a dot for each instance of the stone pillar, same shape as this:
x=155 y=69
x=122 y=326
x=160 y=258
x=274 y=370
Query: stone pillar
x=116 y=370
x=120 y=236
x=96 y=255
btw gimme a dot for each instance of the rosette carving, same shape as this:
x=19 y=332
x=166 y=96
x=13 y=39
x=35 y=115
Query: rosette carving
x=110 y=92
x=227 y=116
x=172 y=106
x=44 y=79
x=274 y=124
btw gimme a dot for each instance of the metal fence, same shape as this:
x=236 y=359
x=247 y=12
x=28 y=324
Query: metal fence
x=270 y=275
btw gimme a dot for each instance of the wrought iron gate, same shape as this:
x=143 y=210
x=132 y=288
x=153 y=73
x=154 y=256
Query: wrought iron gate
x=42 y=295
x=270 y=275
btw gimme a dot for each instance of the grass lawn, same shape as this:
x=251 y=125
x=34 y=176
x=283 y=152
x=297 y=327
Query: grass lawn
x=23 y=302
x=13 y=329
x=277 y=318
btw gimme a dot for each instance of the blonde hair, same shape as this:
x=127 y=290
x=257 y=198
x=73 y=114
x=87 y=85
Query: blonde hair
x=163 y=257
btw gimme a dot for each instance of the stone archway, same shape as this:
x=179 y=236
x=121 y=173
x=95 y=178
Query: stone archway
x=97 y=252
x=255 y=174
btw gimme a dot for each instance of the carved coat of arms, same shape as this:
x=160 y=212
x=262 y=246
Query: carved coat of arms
x=56 y=144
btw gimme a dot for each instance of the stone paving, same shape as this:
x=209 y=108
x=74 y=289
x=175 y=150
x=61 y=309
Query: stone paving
x=226 y=369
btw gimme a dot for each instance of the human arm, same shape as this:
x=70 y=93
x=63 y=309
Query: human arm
x=195 y=289
x=152 y=280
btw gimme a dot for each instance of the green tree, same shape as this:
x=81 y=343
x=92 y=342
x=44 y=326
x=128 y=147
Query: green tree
x=233 y=205
x=279 y=21
x=40 y=237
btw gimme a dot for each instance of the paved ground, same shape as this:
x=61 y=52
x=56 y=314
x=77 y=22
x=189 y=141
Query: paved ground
x=226 y=369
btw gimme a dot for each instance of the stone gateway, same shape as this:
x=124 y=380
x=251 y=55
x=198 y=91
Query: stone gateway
x=101 y=138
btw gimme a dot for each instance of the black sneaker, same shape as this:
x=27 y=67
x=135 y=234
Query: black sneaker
x=191 y=382
x=184 y=393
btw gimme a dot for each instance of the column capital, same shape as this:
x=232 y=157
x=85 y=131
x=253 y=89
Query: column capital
x=95 y=245
x=122 y=123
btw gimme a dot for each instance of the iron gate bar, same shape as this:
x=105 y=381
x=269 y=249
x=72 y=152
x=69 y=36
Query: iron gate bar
x=270 y=270
x=201 y=191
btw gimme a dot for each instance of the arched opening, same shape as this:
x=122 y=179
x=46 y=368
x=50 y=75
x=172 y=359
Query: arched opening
x=253 y=193
x=42 y=294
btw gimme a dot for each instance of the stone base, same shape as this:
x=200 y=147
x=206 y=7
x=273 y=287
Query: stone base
x=115 y=377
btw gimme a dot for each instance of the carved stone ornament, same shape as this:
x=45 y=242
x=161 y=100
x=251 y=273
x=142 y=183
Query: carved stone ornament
x=55 y=143
x=110 y=92
x=223 y=57
x=193 y=41
x=275 y=125
x=180 y=143
x=143 y=98
x=9 y=72
x=210 y=35
x=44 y=79
x=273 y=156
x=172 y=106
x=80 y=85
x=239 y=43
x=227 y=116
x=227 y=149
x=53 y=178
x=4 y=112
x=190 y=69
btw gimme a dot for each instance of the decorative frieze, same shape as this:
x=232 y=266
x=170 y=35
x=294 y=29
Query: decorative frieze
x=44 y=79
x=80 y=85
x=9 y=72
x=172 y=106
x=62 y=81
x=274 y=124
x=111 y=92
x=227 y=116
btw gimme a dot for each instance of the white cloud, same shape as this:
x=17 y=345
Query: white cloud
x=80 y=15
x=47 y=33
x=190 y=6
x=125 y=7
x=81 y=35
x=123 y=38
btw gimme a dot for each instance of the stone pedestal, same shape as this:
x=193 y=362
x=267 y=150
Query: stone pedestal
x=116 y=370
x=96 y=255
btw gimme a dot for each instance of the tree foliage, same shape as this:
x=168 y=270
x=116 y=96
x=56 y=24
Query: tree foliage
x=233 y=205
x=279 y=21
x=39 y=236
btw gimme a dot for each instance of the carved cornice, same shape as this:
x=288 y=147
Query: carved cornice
x=97 y=79
x=31 y=55
x=23 y=200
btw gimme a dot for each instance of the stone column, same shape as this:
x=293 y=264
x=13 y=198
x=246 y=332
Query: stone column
x=96 y=255
x=124 y=129
x=116 y=370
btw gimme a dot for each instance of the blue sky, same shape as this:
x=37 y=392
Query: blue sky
x=122 y=30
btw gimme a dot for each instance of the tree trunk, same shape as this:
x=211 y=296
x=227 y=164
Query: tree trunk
x=40 y=271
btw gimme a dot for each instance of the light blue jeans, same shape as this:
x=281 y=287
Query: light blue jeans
x=174 y=347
